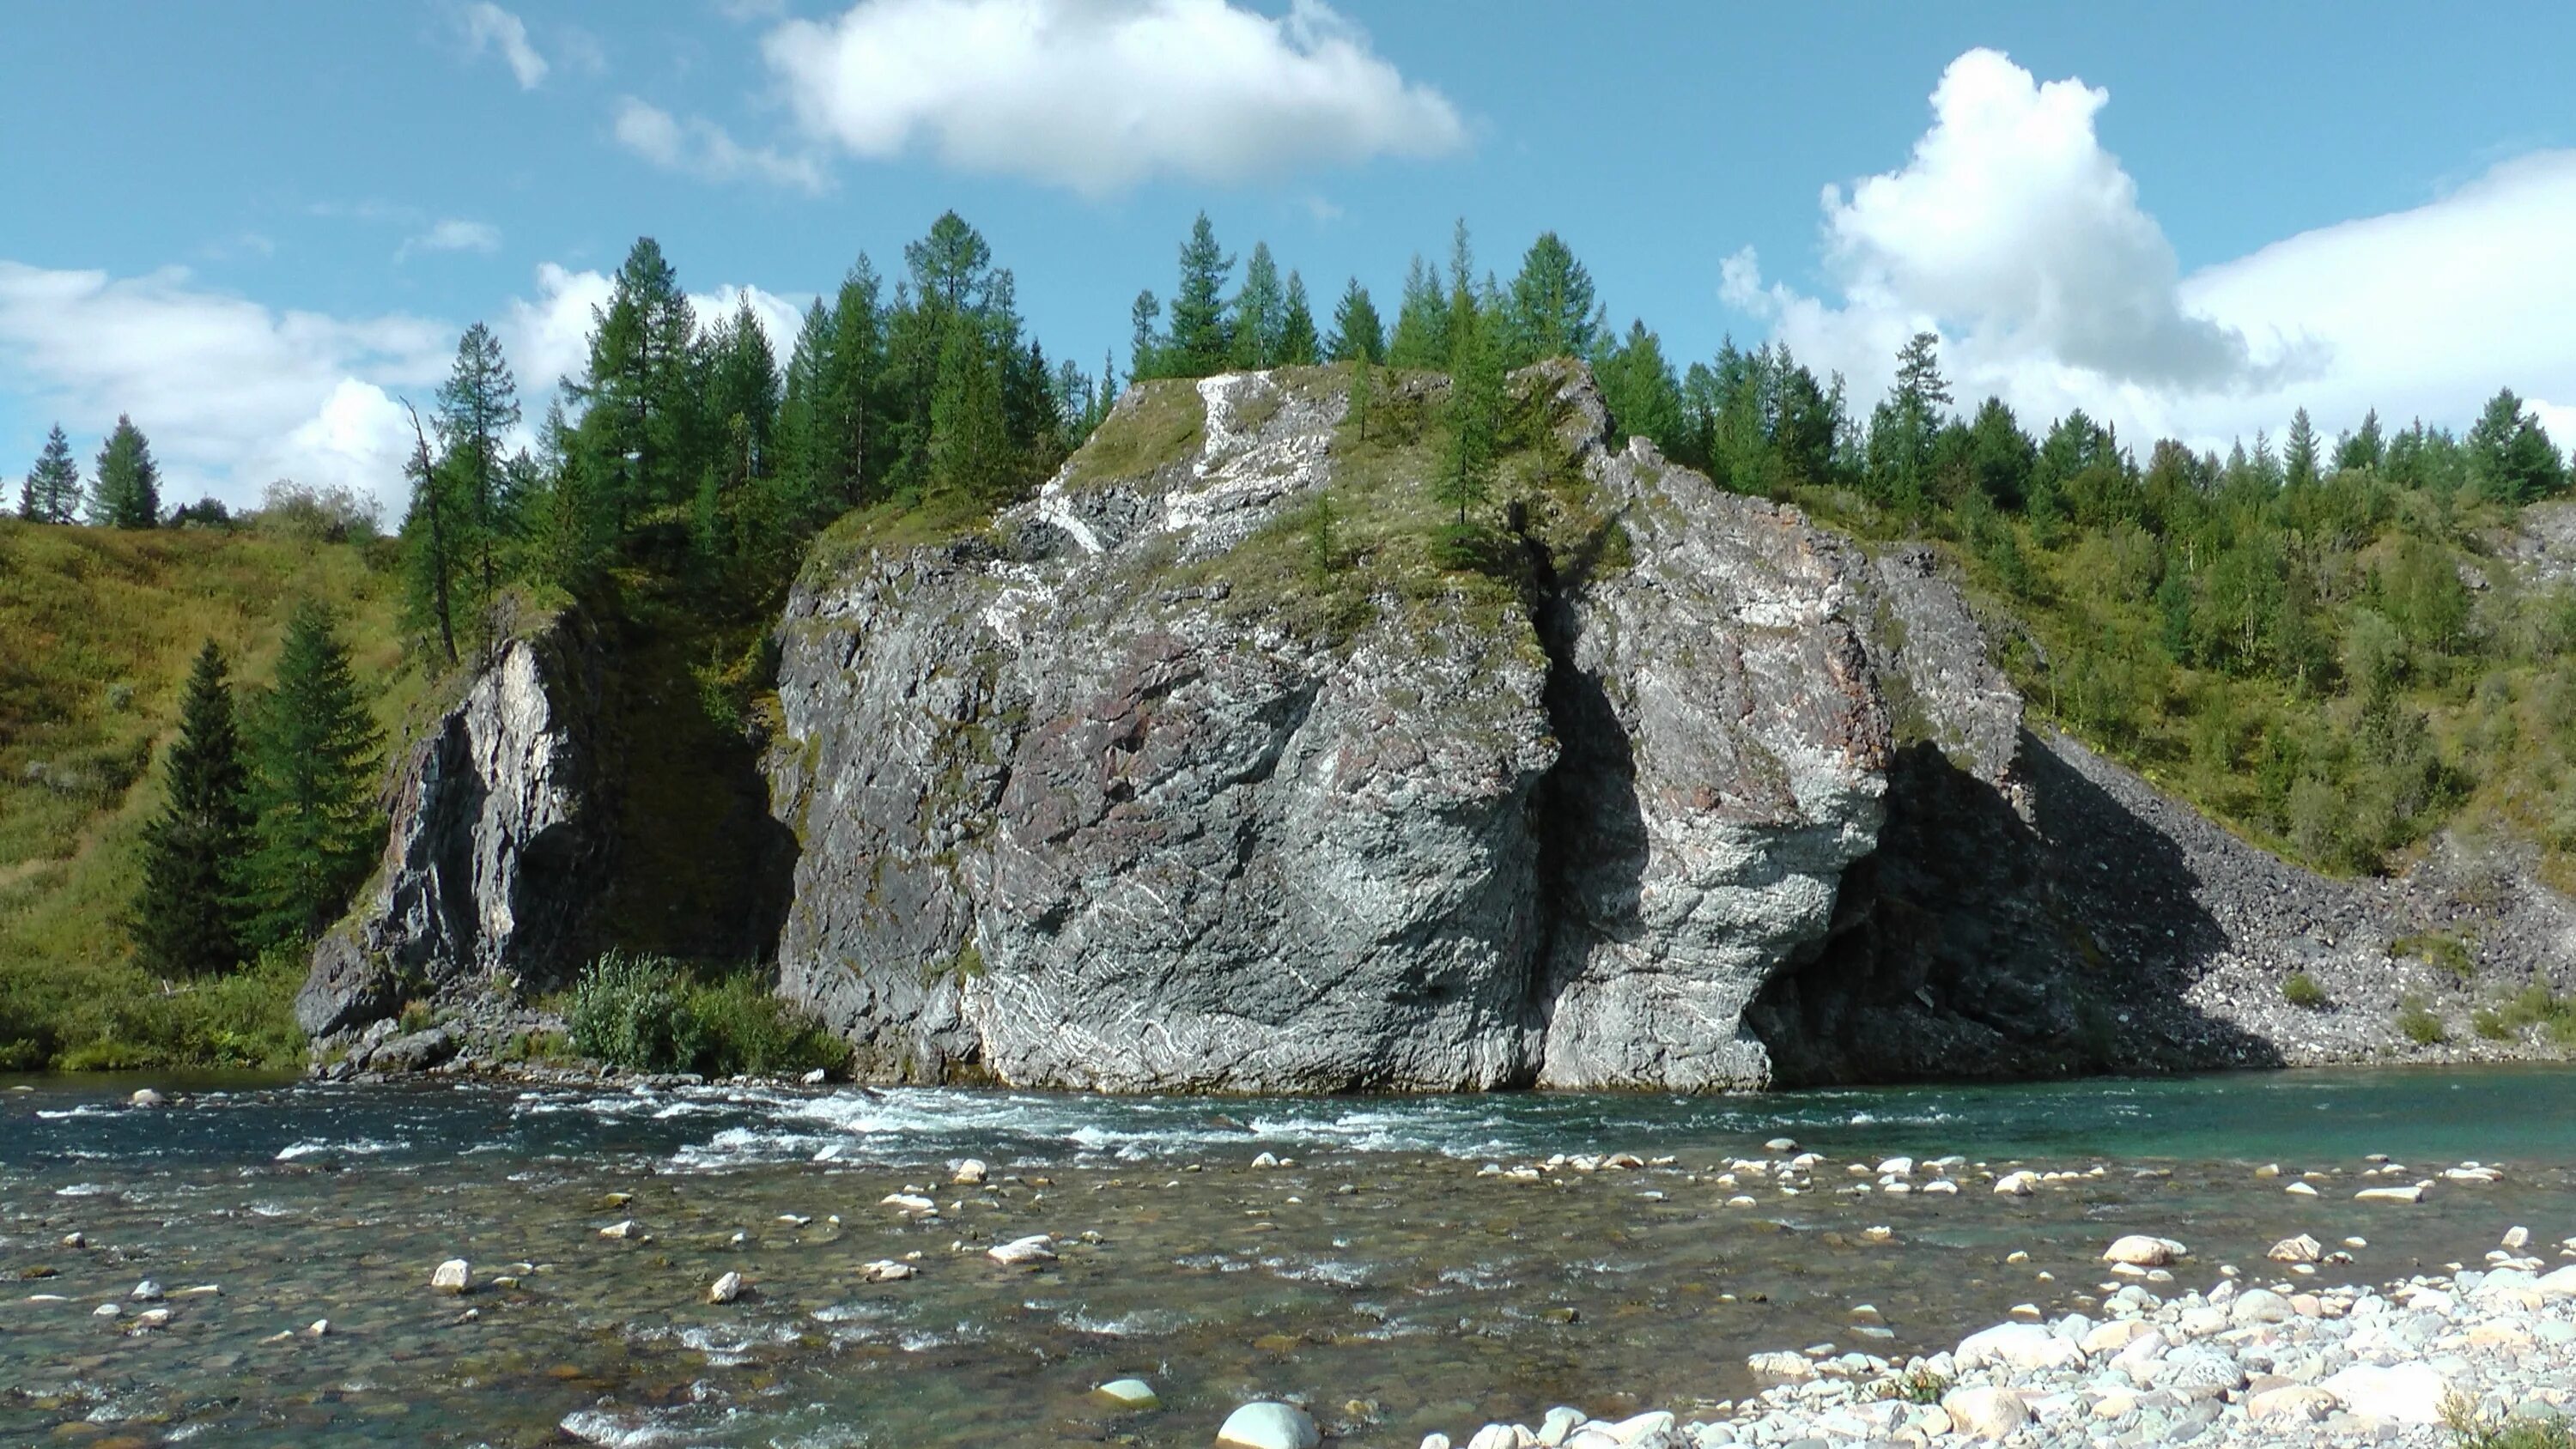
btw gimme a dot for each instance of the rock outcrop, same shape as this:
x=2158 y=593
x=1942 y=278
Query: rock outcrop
x=499 y=844
x=1082 y=801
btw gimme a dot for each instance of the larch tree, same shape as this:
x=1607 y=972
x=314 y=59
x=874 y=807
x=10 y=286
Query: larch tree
x=434 y=530
x=128 y=494
x=188 y=915
x=477 y=405
x=313 y=770
x=1473 y=422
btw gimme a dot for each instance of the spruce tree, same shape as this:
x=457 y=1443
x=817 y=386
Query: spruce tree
x=1357 y=332
x=1260 y=312
x=640 y=386
x=187 y=917
x=1422 y=333
x=52 y=492
x=1552 y=306
x=129 y=482
x=1199 y=341
x=565 y=526
x=2299 y=452
x=1145 y=348
x=1298 y=345
x=968 y=440
x=313 y=759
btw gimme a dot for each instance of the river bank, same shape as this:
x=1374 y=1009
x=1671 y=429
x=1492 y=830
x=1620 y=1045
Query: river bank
x=1401 y=1267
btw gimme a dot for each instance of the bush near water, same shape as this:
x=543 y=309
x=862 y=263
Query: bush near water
x=651 y=1014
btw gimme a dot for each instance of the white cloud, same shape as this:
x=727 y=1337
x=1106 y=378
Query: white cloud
x=453 y=236
x=1098 y=95
x=2017 y=237
x=701 y=148
x=488 y=27
x=233 y=394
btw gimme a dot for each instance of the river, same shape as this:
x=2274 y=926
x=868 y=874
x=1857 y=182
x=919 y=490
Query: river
x=1392 y=1273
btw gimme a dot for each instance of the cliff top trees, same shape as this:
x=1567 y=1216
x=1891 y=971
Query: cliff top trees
x=639 y=385
x=187 y=917
x=1199 y=343
x=2510 y=454
x=52 y=491
x=129 y=482
x=1553 y=311
x=477 y=404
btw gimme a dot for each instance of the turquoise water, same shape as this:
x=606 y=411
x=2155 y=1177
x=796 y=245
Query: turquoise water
x=1382 y=1277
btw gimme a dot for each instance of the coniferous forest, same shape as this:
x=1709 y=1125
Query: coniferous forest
x=2302 y=635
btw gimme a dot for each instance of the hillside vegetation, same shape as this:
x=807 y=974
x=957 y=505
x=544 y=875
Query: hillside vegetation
x=97 y=630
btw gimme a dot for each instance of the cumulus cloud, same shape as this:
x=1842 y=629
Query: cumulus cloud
x=233 y=394
x=1098 y=95
x=701 y=148
x=490 y=28
x=2013 y=233
x=453 y=236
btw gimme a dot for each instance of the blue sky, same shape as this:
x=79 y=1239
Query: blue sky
x=252 y=225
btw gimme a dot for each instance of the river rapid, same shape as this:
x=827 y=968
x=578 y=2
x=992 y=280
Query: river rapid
x=1396 y=1265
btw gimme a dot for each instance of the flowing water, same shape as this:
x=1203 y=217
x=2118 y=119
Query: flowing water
x=1382 y=1275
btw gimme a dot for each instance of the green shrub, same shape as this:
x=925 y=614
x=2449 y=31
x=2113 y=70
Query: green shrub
x=2302 y=991
x=2437 y=948
x=649 y=1014
x=1918 y=1386
x=2469 y=1431
x=2534 y=1005
x=628 y=1011
x=2419 y=1024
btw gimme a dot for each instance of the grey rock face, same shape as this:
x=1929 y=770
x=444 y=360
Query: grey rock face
x=1067 y=824
x=1069 y=818
x=500 y=830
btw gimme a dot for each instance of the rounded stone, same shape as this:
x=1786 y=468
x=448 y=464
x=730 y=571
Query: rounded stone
x=1268 y=1426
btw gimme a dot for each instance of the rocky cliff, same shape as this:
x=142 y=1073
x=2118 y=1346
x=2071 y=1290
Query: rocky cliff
x=1226 y=763
x=1092 y=798
x=500 y=844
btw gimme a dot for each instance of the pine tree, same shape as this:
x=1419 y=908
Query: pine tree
x=2299 y=451
x=1357 y=332
x=477 y=404
x=1200 y=344
x=313 y=768
x=52 y=492
x=1552 y=305
x=2363 y=449
x=187 y=917
x=129 y=482
x=1260 y=312
x=1298 y=345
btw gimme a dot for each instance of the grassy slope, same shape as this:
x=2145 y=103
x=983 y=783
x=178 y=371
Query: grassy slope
x=97 y=631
